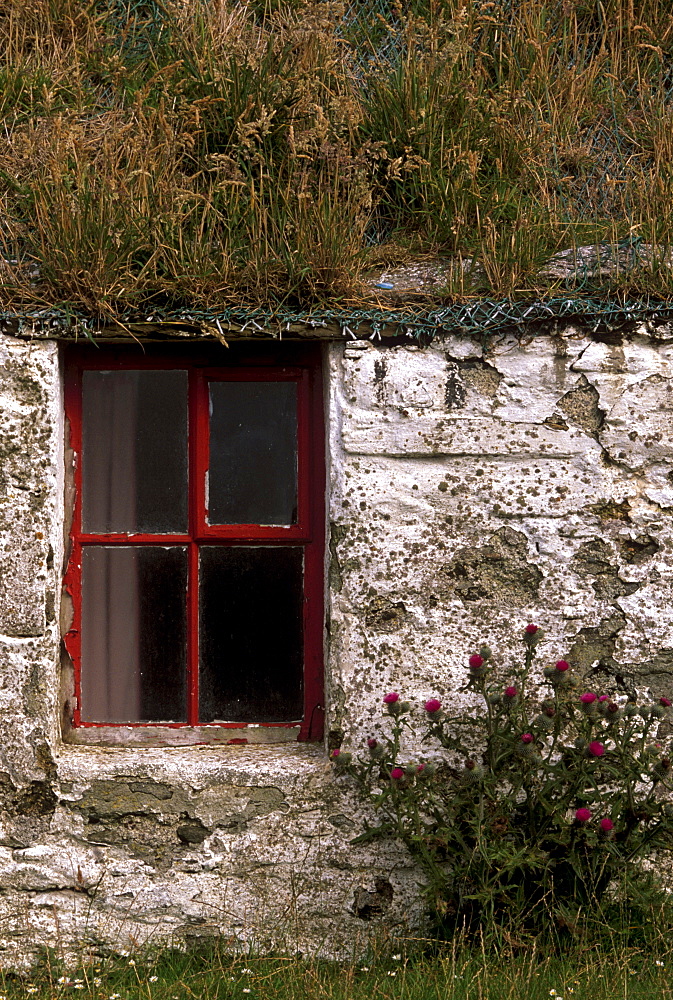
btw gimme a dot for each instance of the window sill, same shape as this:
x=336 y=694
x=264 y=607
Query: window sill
x=195 y=765
x=186 y=736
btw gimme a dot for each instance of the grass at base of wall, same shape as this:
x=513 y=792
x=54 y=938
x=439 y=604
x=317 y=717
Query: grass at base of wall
x=450 y=972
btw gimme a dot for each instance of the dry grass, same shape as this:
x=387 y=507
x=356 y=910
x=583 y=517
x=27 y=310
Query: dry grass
x=174 y=151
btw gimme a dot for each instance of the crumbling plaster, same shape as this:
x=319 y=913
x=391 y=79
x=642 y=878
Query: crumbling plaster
x=474 y=486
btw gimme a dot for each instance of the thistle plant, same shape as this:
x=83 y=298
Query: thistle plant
x=535 y=815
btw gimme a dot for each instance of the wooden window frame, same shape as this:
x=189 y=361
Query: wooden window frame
x=300 y=363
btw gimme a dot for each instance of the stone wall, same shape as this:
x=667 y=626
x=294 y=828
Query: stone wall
x=473 y=487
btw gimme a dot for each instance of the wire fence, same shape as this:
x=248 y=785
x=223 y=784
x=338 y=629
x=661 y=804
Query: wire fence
x=479 y=318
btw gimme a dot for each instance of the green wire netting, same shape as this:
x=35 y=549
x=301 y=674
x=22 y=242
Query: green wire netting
x=477 y=318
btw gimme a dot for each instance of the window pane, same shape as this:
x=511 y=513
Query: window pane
x=251 y=634
x=253 y=453
x=134 y=634
x=134 y=451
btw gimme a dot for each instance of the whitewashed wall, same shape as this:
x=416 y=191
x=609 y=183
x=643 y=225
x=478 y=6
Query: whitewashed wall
x=473 y=488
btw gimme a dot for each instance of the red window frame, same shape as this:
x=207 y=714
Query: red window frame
x=298 y=363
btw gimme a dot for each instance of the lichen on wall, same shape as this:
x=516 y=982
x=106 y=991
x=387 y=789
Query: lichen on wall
x=475 y=485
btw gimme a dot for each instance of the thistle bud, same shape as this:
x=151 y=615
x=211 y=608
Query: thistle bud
x=392 y=703
x=485 y=652
x=477 y=665
x=644 y=712
x=588 y=702
x=472 y=772
x=657 y=712
x=544 y=722
x=433 y=707
x=532 y=635
x=526 y=746
x=630 y=709
x=662 y=768
x=613 y=713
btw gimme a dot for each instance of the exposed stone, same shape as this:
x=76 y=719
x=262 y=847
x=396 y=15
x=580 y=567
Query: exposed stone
x=596 y=643
x=367 y=905
x=382 y=615
x=581 y=406
x=593 y=558
x=497 y=572
x=192 y=833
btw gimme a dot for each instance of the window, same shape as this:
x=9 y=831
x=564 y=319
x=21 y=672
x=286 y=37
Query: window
x=196 y=563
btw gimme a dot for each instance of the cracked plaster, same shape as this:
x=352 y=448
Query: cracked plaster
x=474 y=486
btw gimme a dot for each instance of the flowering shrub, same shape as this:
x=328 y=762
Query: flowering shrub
x=540 y=825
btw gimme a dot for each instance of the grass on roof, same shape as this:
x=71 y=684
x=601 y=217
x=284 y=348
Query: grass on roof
x=212 y=152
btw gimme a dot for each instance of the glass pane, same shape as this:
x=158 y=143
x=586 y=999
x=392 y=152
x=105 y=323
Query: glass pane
x=134 y=451
x=251 y=634
x=253 y=453
x=134 y=634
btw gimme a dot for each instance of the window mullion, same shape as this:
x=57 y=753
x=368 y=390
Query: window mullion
x=197 y=417
x=193 y=636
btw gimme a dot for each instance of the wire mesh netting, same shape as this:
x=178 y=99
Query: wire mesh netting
x=482 y=317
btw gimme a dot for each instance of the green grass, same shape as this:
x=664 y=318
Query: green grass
x=449 y=974
x=209 y=153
